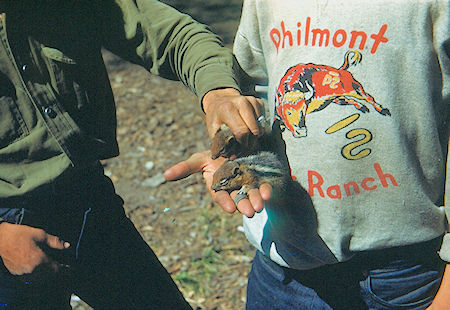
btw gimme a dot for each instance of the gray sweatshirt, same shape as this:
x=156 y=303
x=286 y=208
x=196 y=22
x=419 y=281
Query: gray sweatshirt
x=360 y=90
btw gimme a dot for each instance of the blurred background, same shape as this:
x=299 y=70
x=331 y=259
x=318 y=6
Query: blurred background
x=159 y=124
x=222 y=16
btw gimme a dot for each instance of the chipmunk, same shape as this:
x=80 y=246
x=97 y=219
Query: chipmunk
x=225 y=144
x=245 y=173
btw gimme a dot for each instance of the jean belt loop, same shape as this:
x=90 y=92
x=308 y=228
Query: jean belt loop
x=20 y=216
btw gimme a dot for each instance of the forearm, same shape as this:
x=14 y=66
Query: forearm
x=168 y=43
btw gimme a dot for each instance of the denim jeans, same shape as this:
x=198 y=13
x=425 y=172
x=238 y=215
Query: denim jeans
x=369 y=281
x=110 y=265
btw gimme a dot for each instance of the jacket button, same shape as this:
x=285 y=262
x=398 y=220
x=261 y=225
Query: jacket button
x=50 y=112
x=24 y=67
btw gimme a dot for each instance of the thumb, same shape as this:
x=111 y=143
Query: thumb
x=56 y=243
x=185 y=168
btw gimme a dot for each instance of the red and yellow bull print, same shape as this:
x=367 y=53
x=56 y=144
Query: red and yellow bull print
x=308 y=88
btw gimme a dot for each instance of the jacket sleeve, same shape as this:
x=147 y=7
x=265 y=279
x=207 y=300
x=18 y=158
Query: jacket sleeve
x=166 y=42
x=248 y=48
x=441 y=39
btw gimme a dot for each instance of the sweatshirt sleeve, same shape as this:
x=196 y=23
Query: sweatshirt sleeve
x=248 y=48
x=441 y=39
x=444 y=253
x=167 y=43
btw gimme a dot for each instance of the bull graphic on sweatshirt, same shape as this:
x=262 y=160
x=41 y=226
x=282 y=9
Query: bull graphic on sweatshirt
x=307 y=88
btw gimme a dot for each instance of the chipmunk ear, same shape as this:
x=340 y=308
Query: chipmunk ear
x=236 y=171
x=229 y=139
x=231 y=146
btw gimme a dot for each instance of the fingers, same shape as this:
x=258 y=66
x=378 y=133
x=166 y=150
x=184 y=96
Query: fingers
x=247 y=207
x=228 y=106
x=223 y=199
x=244 y=120
x=179 y=171
x=27 y=249
x=255 y=199
x=183 y=169
x=250 y=114
x=56 y=243
x=48 y=271
x=266 y=191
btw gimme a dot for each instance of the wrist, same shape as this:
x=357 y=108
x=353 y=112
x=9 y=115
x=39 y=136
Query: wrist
x=3 y=226
x=211 y=96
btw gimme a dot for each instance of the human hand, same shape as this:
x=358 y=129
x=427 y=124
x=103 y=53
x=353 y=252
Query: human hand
x=202 y=162
x=24 y=249
x=442 y=299
x=436 y=305
x=240 y=113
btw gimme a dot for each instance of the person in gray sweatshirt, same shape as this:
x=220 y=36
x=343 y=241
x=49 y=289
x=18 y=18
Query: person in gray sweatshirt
x=357 y=95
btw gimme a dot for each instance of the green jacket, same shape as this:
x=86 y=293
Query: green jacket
x=56 y=104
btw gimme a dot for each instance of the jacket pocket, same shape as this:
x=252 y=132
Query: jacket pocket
x=63 y=73
x=12 y=124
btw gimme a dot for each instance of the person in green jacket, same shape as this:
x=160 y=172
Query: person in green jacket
x=63 y=229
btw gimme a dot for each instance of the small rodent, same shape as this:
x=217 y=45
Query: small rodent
x=245 y=173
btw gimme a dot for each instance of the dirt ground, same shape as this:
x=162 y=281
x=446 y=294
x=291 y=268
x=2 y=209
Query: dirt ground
x=159 y=124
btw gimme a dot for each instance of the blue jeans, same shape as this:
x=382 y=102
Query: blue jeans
x=391 y=279
x=110 y=265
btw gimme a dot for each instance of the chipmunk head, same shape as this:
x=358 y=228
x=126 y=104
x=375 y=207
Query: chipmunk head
x=223 y=143
x=228 y=177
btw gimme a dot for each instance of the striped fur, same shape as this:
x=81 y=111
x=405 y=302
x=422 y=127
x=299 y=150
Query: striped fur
x=250 y=171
